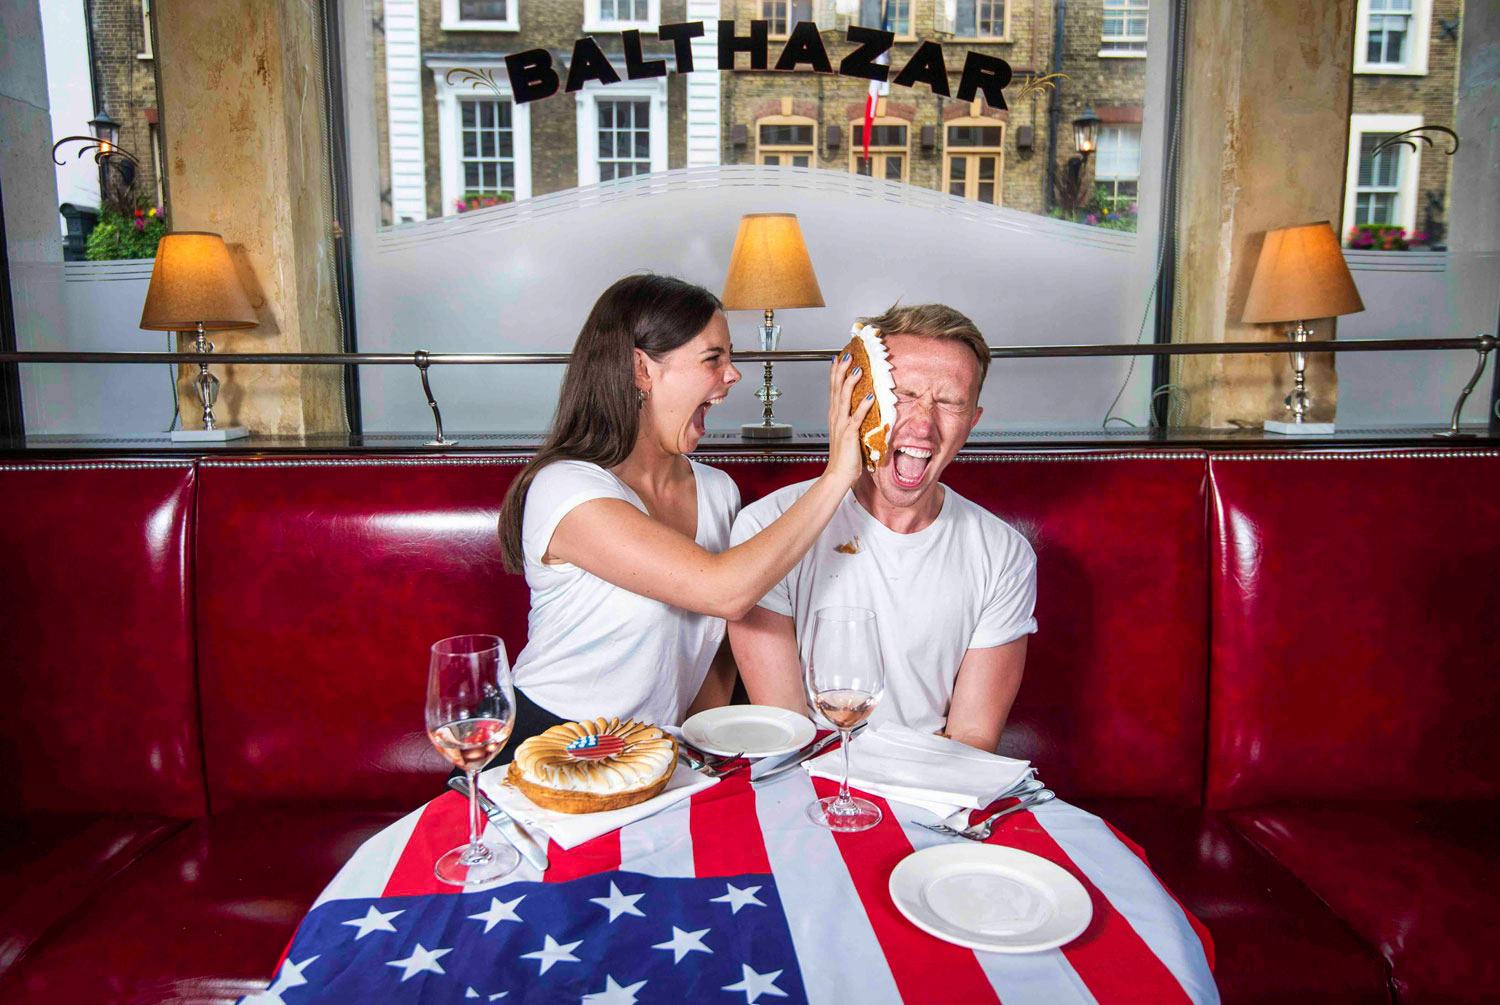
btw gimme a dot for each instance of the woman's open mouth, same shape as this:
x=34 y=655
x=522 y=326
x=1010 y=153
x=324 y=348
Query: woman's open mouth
x=700 y=414
x=909 y=464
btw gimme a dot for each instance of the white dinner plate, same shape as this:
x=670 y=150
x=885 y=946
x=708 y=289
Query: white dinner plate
x=991 y=898
x=752 y=730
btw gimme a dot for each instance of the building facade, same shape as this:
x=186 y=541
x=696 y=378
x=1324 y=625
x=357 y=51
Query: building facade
x=1405 y=77
x=124 y=69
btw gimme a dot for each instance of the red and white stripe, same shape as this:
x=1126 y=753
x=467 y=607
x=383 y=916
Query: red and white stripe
x=852 y=943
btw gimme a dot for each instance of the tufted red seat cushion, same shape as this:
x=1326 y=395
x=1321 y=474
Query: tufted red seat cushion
x=1354 y=694
x=324 y=584
x=203 y=918
x=1274 y=940
x=1420 y=882
x=54 y=863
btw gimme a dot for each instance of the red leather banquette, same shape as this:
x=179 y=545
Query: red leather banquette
x=1275 y=671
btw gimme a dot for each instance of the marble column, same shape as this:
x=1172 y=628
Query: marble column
x=242 y=119
x=1265 y=129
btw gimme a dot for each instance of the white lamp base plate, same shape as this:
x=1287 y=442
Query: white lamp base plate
x=219 y=435
x=1299 y=428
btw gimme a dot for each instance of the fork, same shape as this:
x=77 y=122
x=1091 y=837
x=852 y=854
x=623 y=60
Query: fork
x=982 y=830
x=713 y=765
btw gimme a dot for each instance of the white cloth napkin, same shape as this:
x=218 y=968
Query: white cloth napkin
x=932 y=772
x=572 y=829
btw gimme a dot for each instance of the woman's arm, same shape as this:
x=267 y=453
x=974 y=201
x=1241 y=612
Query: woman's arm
x=718 y=686
x=621 y=545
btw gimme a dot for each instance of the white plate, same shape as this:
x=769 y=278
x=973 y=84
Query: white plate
x=752 y=730
x=991 y=898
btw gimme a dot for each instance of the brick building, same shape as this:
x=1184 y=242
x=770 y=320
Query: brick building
x=124 y=71
x=448 y=135
x=1405 y=77
x=965 y=149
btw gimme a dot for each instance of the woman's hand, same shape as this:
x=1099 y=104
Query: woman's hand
x=845 y=458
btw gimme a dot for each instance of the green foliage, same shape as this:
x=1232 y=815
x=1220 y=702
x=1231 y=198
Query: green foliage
x=118 y=236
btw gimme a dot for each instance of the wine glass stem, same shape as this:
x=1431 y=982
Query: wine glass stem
x=844 y=796
x=475 y=820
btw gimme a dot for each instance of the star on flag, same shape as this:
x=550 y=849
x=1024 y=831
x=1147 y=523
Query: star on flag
x=553 y=952
x=619 y=903
x=421 y=960
x=737 y=898
x=754 y=985
x=681 y=943
x=614 y=994
x=499 y=911
x=373 y=921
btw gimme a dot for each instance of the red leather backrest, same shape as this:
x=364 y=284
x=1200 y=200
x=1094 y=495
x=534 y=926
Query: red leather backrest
x=323 y=583
x=1355 y=649
x=1113 y=699
x=97 y=651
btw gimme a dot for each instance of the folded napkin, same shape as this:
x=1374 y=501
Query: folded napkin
x=932 y=772
x=572 y=829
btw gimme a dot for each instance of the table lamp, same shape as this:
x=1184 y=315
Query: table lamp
x=194 y=289
x=1301 y=275
x=769 y=270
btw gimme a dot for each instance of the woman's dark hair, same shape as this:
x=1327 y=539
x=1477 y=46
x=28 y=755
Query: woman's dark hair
x=598 y=412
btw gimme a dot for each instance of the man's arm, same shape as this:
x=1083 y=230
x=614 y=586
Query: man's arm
x=988 y=680
x=765 y=647
x=718 y=685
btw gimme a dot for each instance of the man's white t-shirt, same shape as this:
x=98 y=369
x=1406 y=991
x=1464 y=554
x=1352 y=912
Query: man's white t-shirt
x=965 y=581
x=593 y=648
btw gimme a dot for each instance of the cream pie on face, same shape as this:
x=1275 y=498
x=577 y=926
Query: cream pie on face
x=869 y=353
x=600 y=764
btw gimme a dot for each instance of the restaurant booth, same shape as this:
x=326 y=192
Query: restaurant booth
x=361 y=239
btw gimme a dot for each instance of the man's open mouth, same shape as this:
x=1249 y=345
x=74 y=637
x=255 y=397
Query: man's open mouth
x=909 y=464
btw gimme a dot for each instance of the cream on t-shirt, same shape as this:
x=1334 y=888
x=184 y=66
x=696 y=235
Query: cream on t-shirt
x=965 y=581
x=593 y=648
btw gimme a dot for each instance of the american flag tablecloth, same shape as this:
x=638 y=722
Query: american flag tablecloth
x=730 y=896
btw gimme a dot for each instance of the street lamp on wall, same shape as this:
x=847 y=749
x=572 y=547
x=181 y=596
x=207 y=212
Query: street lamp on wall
x=1085 y=141
x=116 y=186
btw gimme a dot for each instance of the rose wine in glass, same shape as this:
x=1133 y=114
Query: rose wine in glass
x=845 y=678
x=471 y=709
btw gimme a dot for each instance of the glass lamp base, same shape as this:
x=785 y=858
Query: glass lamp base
x=471 y=865
x=850 y=815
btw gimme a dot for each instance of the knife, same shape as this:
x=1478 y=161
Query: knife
x=507 y=827
x=807 y=755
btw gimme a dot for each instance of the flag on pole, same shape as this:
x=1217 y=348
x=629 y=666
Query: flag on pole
x=878 y=88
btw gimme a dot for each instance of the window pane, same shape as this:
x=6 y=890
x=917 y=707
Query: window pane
x=893 y=168
x=481 y=10
x=801 y=161
x=986 y=192
x=771 y=160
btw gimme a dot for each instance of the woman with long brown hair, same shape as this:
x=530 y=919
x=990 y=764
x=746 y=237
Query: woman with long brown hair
x=624 y=540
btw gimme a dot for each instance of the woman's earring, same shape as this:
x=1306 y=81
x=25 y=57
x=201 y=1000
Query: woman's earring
x=640 y=398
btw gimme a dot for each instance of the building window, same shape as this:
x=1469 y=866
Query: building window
x=975 y=159
x=618 y=15
x=161 y=191
x=487 y=142
x=782 y=14
x=484 y=141
x=871 y=13
x=1390 y=36
x=782 y=141
x=981 y=19
x=888 y=149
x=1381 y=187
x=146 y=50
x=624 y=137
x=622 y=130
x=480 y=15
x=1117 y=166
x=1124 y=30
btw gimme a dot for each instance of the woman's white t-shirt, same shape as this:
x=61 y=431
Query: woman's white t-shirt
x=593 y=648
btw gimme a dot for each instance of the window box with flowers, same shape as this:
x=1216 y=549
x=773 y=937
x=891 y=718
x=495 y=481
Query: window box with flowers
x=118 y=235
x=1385 y=237
x=481 y=200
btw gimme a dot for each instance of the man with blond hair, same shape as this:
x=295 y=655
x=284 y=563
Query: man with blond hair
x=951 y=584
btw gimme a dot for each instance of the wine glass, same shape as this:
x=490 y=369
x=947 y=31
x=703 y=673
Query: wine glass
x=471 y=709
x=845 y=679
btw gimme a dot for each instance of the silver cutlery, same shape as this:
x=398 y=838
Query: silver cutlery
x=982 y=830
x=806 y=755
x=508 y=828
x=713 y=765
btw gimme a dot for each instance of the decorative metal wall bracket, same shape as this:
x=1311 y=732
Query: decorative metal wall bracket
x=1485 y=344
x=422 y=362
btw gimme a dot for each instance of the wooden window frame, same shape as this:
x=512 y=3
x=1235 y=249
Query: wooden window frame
x=856 y=149
x=786 y=120
x=950 y=152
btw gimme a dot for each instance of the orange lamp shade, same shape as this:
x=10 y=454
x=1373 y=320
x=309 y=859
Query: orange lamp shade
x=769 y=268
x=193 y=282
x=1301 y=275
